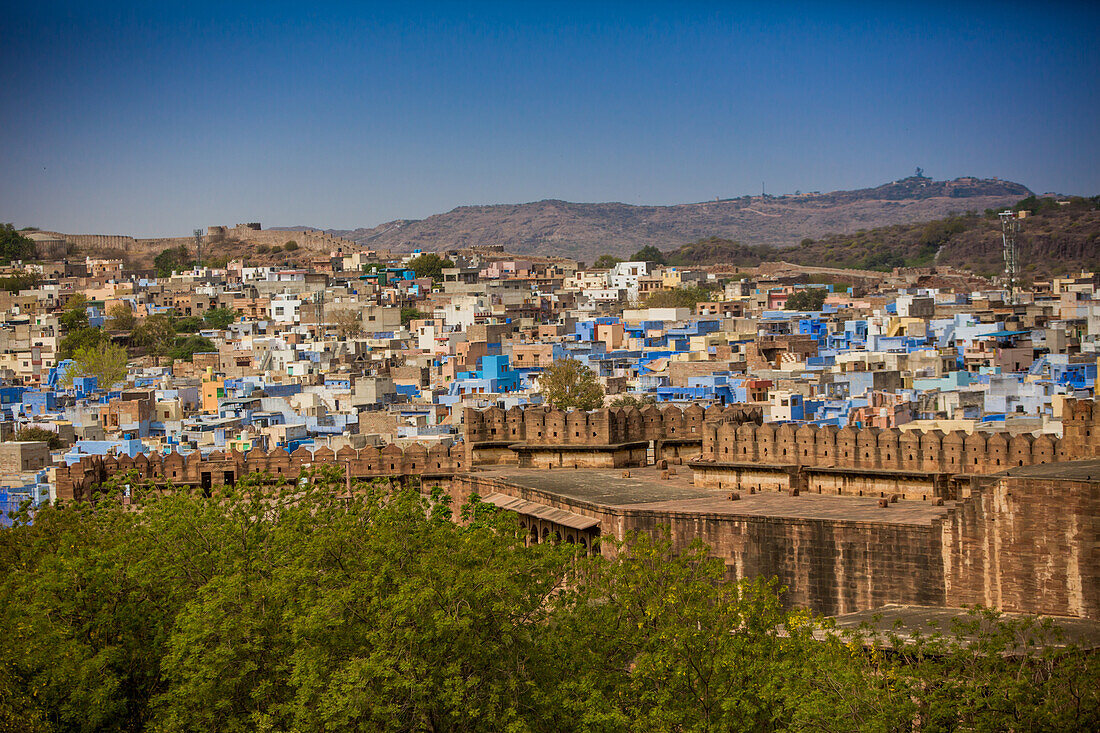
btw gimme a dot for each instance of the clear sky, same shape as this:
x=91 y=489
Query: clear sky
x=156 y=118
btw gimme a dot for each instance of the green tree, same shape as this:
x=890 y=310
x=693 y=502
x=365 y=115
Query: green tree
x=82 y=338
x=606 y=262
x=120 y=317
x=185 y=347
x=156 y=333
x=13 y=245
x=649 y=253
x=430 y=265
x=105 y=361
x=172 y=260
x=219 y=318
x=39 y=434
x=630 y=400
x=410 y=314
x=665 y=643
x=678 y=297
x=75 y=315
x=20 y=281
x=189 y=324
x=290 y=246
x=306 y=607
x=567 y=383
x=810 y=299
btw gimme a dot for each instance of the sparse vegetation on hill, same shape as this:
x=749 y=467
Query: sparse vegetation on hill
x=1055 y=238
x=584 y=231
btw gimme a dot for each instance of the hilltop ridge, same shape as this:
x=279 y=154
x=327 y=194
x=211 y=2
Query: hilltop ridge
x=585 y=230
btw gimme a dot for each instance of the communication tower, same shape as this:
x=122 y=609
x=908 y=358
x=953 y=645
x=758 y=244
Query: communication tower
x=198 y=246
x=1010 y=227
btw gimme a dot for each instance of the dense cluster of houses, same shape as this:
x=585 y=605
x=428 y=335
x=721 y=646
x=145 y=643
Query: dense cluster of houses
x=358 y=350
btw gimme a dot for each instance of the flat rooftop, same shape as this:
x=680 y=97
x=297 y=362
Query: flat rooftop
x=645 y=490
x=1065 y=470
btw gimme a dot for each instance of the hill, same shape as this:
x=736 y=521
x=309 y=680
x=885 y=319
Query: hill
x=1056 y=237
x=584 y=231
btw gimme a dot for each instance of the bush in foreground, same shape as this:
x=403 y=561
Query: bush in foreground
x=269 y=607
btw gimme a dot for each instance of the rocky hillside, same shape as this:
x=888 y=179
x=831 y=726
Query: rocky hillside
x=1057 y=236
x=584 y=231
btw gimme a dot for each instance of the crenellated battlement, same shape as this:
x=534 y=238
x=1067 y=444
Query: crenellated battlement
x=218 y=468
x=535 y=425
x=934 y=451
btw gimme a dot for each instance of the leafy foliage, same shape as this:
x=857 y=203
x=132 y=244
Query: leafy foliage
x=810 y=299
x=75 y=315
x=274 y=607
x=172 y=260
x=157 y=333
x=219 y=318
x=569 y=384
x=649 y=253
x=20 y=281
x=188 y=324
x=13 y=245
x=185 y=347
x=677 y=298
x=120 y=318
x=83 y=338
x=430 y=265
x=606 y=262
x=629 y=400
x=410 y=314
x=105 y=361
x=39 y=434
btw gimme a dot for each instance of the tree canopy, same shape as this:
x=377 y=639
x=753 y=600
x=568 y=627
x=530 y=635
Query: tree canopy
x=82 y=338
x=105 y=361
x=32 y=433
x=120 y=317
x=13 y=245
x=275 y=607
x=219 y=318
x=410 y=314
x=649 y=253
x=569 y=384
x=677 y=297
x=185 y=347
x=606 y=262
x=18 y=281
x=430 y=265
x=810 y=299
x=348 y=322
x=156 y=333
x=75 y=315
x=172 y=260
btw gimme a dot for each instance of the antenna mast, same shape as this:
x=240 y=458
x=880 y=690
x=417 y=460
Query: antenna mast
x=1010 y=227
x=198 y=246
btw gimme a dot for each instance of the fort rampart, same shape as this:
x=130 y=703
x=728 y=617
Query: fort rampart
x=218 y=468
x=543 y=436
x=870 y=461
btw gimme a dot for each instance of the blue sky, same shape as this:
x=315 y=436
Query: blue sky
x=156 y=118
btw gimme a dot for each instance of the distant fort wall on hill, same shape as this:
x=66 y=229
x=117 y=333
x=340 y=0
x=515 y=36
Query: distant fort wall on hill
x=252 y=233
